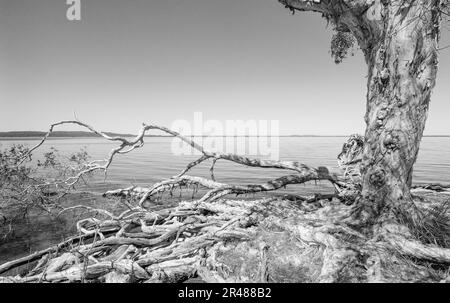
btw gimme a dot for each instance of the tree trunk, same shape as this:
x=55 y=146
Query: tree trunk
x=400 y=43
x=402 y=72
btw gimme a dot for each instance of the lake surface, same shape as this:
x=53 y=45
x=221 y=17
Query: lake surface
x=156 y=161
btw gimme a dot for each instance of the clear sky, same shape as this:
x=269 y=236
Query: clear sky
x=155 y=61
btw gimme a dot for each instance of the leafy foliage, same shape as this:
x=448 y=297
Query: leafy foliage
x=24 y=186
x=342 y=44
x=60 y=166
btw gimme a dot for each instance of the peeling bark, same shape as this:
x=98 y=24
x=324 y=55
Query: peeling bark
x=402 y=74
x=399 y=40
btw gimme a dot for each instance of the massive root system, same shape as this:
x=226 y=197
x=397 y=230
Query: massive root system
x=222 y=239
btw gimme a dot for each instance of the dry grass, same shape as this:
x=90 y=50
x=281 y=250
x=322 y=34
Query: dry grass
x=433 y=227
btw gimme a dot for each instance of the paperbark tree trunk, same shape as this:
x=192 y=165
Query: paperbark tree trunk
x=400 y=42
x=402 y=74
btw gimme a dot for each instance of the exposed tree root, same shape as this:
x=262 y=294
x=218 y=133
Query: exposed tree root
x=302 y=239
x=269 y=240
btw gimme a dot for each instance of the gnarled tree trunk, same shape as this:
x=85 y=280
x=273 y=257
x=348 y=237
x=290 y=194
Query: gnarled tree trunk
x=399 y=40
x=402 y=73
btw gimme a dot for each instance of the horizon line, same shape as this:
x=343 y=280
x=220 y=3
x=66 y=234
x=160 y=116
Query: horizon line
x=86 y=134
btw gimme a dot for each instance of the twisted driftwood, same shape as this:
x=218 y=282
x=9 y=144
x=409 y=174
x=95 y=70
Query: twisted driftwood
x=290 y=239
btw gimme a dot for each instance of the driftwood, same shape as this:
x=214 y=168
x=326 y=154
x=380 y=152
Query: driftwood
x=270 y=239
x=30 y=258
x=436 y=187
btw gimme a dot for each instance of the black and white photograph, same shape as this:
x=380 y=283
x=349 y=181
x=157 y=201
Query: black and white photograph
x=237 y=143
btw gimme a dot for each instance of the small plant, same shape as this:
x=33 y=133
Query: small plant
x=60 y=166
x=24 y=186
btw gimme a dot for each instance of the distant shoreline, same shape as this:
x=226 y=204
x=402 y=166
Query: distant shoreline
x=85 y=135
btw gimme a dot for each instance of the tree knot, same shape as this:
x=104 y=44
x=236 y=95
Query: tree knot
x=384 y=75
x=391 y=142
x=377 y=178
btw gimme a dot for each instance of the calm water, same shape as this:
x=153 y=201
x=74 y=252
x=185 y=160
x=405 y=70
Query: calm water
x=155 y=161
